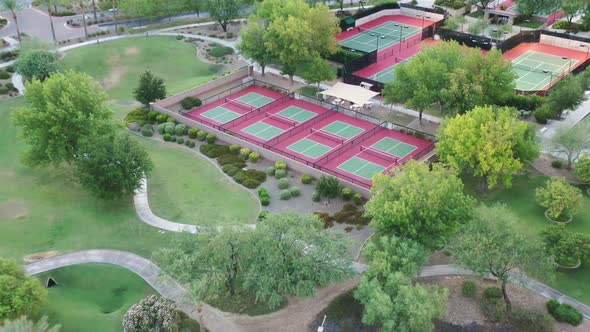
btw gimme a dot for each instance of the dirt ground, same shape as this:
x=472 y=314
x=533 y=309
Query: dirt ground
x=13 y=210
x=214 y=30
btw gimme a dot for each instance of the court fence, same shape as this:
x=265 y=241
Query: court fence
x=531 y=36
x=360 y=63
x=467 y=39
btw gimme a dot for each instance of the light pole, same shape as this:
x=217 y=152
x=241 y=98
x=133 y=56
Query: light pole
x=587 y=50
x=401 y=27
x=505 y=34
x=550 y=79
x=569 y=68
x=378 y=37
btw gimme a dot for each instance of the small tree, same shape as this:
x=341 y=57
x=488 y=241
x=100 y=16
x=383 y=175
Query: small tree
x=560 y=198
x=23 y=324
x=150 y=89
x=572 y=142
x=153 y=313
x=112 y=166
x=19 y=295
x=571 y=8
x=567 y=94
x=582 y=170
x=223 y=11
x=319 y=70
x=490 y=245
x=567 y=248
x=252 y=45
x=328 y=186
x=37 y=64
x=529 y=8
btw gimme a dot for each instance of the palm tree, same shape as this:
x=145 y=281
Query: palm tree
x=81 y=6
x=13 y=6
x=114 y=2
x=49 y=3
x=24 y=325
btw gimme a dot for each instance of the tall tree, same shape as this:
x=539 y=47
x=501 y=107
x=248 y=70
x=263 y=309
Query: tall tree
x=223 y=11
x=325 y=26
x=112 y=165
x=13 y=6
x=142 y=9
x=319 y=70
x=63 y=109
x=253 y=43
x=82 y=6
x=386 y=291
x=19 y=295
x=418 y=203
x=571 y=143
x=490 y=245
x=23 y=324
x=489 y=142
x=567 y=94
x=194 y=6
x=292 y=254
x=150 y=88
x=571 y=8
x=49 y=4
x=528 y=8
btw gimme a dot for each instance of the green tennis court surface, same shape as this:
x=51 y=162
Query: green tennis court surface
x=255 y=99
x=220 y=114
x=536 y=70
x=309 y=148
x=296 y=114
x=263 y=130
x=361 y=167
x=343 y=129
x=394 y=147
x=388 y=74
x=386 y=34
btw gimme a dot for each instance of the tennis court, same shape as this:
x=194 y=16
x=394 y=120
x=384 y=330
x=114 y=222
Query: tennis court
x=263 y=130
x=393 y=147
x=296 y=114
x=342 y=129
x=383 y=35
x=255 y=99
x=361 y=167
x=221 y=114
x=388 y=74
x=309 y=148
x=537 y=70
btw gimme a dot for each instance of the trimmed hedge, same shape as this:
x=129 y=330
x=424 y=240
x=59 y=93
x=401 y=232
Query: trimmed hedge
x=167 y=137
x=192 y=132
x=234 y=148
x=283 y=183
x=201 y=135
x=346 y=193
x=306 y=178
x=211 y=138
x=254 y=157
x=180 y=129
x=295 y=192
x=169 y=128
x=265 y=201
x=564 y=312
x=469 y=288
x=270 y=171
x=190 y=102
x=285 y=195
x=280 y=173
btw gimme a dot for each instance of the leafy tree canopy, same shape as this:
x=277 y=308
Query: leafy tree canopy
x=567 y=248
x=37 y=64
x=582 y=170
x=150 y=89
x=223 y=11
x=153 y=313
x=572 y=142
x=328 y=186
x=528 y=8
x=560 y=198
x=22 y=324
x=19 y=295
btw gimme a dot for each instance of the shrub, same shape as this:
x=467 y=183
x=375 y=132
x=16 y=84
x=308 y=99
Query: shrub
x=556 y=164
x=214 y=150
x=283 y=183
x=492 y=293
x=10 y=69
x=139 y=116
x=192 y=132
x=493 y=309
x=244 y=152
x=270 y=171
x=265 y=201
x=162 y=118
x=167 y=137
x=211 y=138
x=201 y=135
x=346 y=193
x=306 y=178
x=543 y=113
x=161 y=128
x=230 y=170
x=285 y=195
x=192 y=145
x=280 y=164
x=147 y=130
x=280 y=173
x=552 y=305
x=172 y=138
x=169 y=128
x=469 y=288
x=230 y=159
x=262 y=191
x=179 y=129
x=220 y=51
x=4 y=75
x=251 y=183
x=357 y=198
x=152 y=115
x=187 y=143
x=567 y=313
x=234 y=148
x=250 y=178
x=295 y=192
x=315 y=196
x=171 y=119
x=11 y=87
x=190 y=102
x=530 y=320
x=560 y=198
x=344 y=56
x=254 y=157
x=180 y=140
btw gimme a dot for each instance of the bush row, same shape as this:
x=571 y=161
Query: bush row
x=564 y=312
x=349 y=214
x=233 y=165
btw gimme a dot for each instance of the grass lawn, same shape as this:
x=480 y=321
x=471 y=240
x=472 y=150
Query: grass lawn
x=93 y=297
x=118 y=64
x=187 y=188
x=521 y=199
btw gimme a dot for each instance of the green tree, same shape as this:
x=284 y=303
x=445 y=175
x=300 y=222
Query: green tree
x=37 y=64
x=386 y=292
x=150 y=89
x=318 y=70
x=140 y=8
x=571 y=8
x=418 y=203
x=325 y=26
x=328 y=186
x=23 y=324
x=81 y=6
x=490 y=142
x=560 y=198
x=13 y=6
x=19 y=295
x=489 y=244
x=482 y=4
x=112 y=166
x=292 y=254
x=63 y=109
x=528 y=8
x=153 y=313
x=223 y=11
x=49 y=4
x=567 y=94
x=567 y=248
x=253 y=43
x=571 y=142
x=194 y=6
x=582 y=170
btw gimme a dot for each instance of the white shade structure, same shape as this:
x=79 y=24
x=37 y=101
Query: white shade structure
x=352 y=93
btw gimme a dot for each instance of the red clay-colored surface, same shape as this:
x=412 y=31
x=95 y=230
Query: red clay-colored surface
x=330 y=161
x=417 y=22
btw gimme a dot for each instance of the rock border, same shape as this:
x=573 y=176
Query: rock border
x=558 y=222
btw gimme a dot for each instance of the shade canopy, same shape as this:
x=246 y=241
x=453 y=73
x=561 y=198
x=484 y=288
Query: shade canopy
x=352 y=93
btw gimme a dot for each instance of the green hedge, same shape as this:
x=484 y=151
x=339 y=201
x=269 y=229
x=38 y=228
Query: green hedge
x=306 y=178
x=190 y=102
x=469 y=288
x=220 y=51
x=344 y=56
x=285 y=195
x=283 y=183
x=280 y=173
x=192 y=132
x=564 y=312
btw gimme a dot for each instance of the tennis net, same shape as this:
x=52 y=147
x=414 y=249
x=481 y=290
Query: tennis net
x=327 y=135
x=239 y=104
x=281 y=119
x=380 y=154
x=538 y=69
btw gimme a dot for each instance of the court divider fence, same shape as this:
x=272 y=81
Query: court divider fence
x=467 y=39
x=529 y=36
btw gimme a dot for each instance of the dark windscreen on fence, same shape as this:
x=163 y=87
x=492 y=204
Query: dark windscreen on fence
x=485 y=43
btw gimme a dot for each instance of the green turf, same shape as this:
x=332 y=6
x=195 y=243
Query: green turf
x=93 y=297
x=187 y=188
x=118 y=64
x=521 y=199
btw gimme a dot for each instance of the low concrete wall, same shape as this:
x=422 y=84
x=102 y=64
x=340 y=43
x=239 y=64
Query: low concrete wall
x=565 y=43
x=414 y=12
x=376 y=15
x=456 y=12
x=172 y=101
